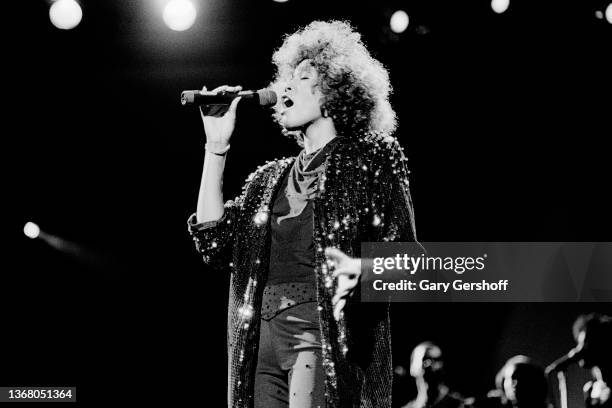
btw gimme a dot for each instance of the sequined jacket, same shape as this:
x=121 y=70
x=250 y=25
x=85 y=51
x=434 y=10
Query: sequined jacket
x=363 y=196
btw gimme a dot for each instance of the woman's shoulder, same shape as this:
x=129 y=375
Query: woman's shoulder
x=383 y=144
x=269 y=168
x=376 y=147
x=259 y=180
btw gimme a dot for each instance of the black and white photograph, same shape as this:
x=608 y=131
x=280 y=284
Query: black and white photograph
x=308 y=204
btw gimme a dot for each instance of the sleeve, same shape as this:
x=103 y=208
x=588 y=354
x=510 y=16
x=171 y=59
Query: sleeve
x=392 y=202
x=214 y=240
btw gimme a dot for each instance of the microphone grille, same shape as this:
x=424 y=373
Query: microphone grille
x=267 y=97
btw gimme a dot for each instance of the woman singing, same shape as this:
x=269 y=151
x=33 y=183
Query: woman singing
x=291 y=240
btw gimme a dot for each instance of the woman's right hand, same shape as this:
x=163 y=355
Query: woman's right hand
x=219 y=125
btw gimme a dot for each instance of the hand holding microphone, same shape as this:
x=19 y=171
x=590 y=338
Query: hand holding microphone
x=219 y=121
x=218 y=111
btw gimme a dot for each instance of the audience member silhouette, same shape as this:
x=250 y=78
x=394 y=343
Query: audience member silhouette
x=427 y=368
x=593 y=334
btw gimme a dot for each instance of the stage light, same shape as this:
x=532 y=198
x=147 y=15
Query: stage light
x=280 y=1
x=65 y=14
x=31 y=230
x=500 y=6
x=179 y=15
x=609 y=13
x=399 y=21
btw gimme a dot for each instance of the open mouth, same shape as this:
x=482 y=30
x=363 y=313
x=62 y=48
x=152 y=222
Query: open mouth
x=286 y=101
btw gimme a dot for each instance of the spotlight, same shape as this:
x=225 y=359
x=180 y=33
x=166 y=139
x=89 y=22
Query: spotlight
x=609 y=13
x=65 y=14
x=500 y=6
x=399 y=21
x=179 y=15
x=31 y=230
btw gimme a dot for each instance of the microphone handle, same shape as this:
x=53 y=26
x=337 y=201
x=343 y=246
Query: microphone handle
x=214 y=98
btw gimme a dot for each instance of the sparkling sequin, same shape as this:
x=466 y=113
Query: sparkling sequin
x=340 y=220
x=260 y=218
x=246 y=311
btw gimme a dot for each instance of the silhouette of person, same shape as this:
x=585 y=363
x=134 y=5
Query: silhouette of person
x=427 y=368
x=522 y=383
x=593 y=334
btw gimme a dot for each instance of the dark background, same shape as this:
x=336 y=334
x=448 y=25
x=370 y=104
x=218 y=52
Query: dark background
x=504 y=118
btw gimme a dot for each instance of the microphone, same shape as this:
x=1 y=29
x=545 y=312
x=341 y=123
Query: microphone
x=563 y=362
x=263 y=97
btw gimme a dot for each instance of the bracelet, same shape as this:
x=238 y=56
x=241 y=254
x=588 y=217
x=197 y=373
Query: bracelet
x=223 y=152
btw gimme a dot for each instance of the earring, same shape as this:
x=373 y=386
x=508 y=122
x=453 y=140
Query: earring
x=324 y=113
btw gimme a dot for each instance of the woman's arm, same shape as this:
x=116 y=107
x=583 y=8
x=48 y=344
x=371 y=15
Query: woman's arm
x=393 y=219
x=218 y=126
x=210 y=197
x=394 y=210
x=211 y=226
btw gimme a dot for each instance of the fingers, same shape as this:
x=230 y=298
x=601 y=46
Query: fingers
x=202 y=111
x=227 y=88
x=341 y=294
x=205 y=111
x=343 y=289
x=338 y=309
x=345 y=272
x=335 y=254
x=338 y=297
x=233 y=106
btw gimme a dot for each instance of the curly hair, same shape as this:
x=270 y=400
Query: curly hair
x=355 y=86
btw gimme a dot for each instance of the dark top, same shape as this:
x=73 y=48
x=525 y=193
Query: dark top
x=291 y=278
x=292 y=247
x=360 y=377
x=292 y=255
